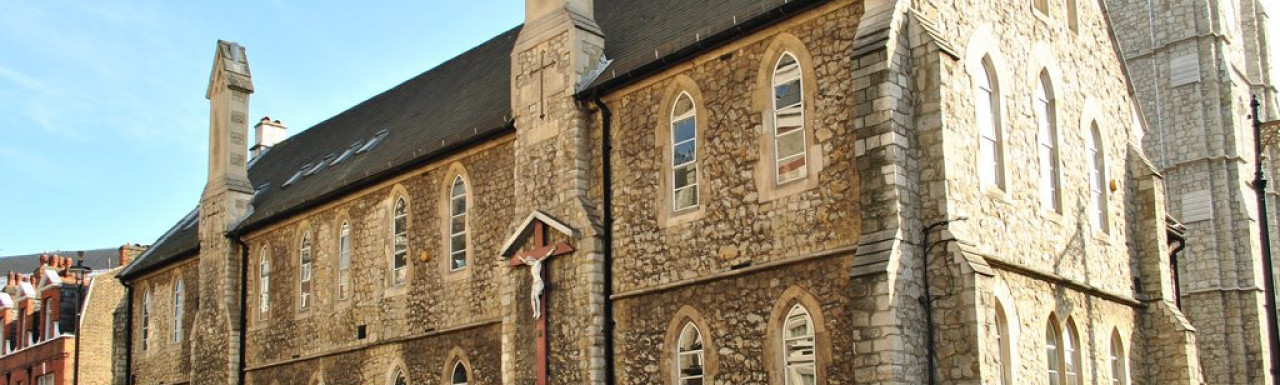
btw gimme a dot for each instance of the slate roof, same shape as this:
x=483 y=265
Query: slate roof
x=98 y=259
x=461 y=102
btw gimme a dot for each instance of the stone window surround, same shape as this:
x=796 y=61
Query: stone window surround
x=457 y=357
x=983 y=47
x=667 y=217
x=762 y=102
x=773 y=348
x=1045 y=84
x=1091 y=129
x=1005 y=300
x=146 y=327
x=1056 y=339
x=397 y=367
x=263 y=285
x=1043 y=62
x=390 y=287
x=447 y=273
x=668 y=359
x=1005 y=345
x=1067 y=332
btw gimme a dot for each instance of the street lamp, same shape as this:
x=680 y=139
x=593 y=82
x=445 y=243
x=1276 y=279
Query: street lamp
x=79 y=272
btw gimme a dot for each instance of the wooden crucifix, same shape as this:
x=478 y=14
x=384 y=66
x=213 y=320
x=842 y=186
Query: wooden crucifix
x=534 y=257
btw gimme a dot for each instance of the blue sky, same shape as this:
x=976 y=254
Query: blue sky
x=103 y=121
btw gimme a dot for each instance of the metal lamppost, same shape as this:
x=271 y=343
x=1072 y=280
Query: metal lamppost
x=79 y=272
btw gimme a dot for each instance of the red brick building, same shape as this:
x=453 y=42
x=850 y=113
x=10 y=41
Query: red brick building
x=38 y=313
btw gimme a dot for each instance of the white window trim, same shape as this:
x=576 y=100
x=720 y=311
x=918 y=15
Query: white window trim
x=146 y=320
x=1050 y=179
x=1118 y=363
x=802 y=131
x=454 y=198
x=344 y=261
x=1053 y=353
x=693 y=162
x=456 y=367
x=264 y=282
x=179 y=298
x=306 y=261
x=1095 y=160
x=698 y=355
x=991 y=172
x=399 y=274
x=811 y=361
x=1004 y=342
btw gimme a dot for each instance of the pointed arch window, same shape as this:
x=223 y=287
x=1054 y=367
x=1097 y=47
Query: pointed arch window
x=1004 y=347
x=790 y=158
x=1071 y=355
x=400 y=241
x=1119 y=364
x=1041 y=6
x=799 y=345
x=344 y=261
x=304 y=272
x=459 y=376
x=399 y=379
x=458 y=224
x=1053 y=355
x=1046 y=111
x=146 y=320
x=684 y=152
x=264 y=281
x=178 y=299
x=990 y=143
x=689 y=356
x=1097 y=179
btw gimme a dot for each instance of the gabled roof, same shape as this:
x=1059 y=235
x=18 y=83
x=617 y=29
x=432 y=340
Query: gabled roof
x=461 y=102
x=98 y=259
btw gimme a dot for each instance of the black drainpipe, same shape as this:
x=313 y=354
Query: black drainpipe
x=244 y=299
x=606 y=162
x=1176 y=235
x=128 y=332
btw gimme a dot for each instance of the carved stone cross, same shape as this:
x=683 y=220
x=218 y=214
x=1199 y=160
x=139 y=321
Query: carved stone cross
x=542 y=83
x=541 y=251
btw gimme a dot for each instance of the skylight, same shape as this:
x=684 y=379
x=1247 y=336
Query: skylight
x=297 y=175
x=373 y=142
x=347 y=154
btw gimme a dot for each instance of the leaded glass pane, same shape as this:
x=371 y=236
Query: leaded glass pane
x=683 y=130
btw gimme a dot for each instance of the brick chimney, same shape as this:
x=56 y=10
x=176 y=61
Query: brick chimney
x=267 y=133
x=129 y=252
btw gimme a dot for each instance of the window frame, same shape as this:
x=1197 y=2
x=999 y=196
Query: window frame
x=776 y=111
x=264 y=283
x=1004 y=343
x=991 y=172
x=1072 y=370
x=455 y=263
x=146 y=321
x=692 y=163
x=306 y=271
x=1049 y=154
x=344 y=261
x=1118 y=361
x=179 y=299
x=801 y=313
x=1096 y=162
x=399 y=241
x=1054 y=364
x=453 y=374
x=698 y=353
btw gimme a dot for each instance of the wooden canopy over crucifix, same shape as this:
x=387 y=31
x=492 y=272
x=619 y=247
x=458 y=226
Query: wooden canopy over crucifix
x=538 y=250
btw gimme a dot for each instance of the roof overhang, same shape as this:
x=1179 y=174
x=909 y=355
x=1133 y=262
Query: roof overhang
x=526 y=227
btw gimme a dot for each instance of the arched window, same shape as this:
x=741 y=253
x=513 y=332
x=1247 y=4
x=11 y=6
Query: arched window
x=1119 y=363
x=798 y=347
x=1071 y=355
x=399 y=379
x=458 y=224
x=400 y=241
x=459 y=376
x=990 y=144
x=1052 y=355
x=1004 y=344
x=1046 y=111
x=177 y=310
x=146 y=320
x=689 y=364
x=684 y=152
x=304 y=272
x=1073 y=16
x=1041 y=6
x=344 y=261
x=1097 y=179
x=788 y=120
x=264 y=281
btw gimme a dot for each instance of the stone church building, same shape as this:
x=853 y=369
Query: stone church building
x=791 y=192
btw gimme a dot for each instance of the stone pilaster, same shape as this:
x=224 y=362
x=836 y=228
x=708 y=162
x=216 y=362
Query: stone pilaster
x=557 y=47
x=226 y=197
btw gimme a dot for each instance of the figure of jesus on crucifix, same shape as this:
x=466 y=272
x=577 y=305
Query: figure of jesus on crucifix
x=535 y=289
